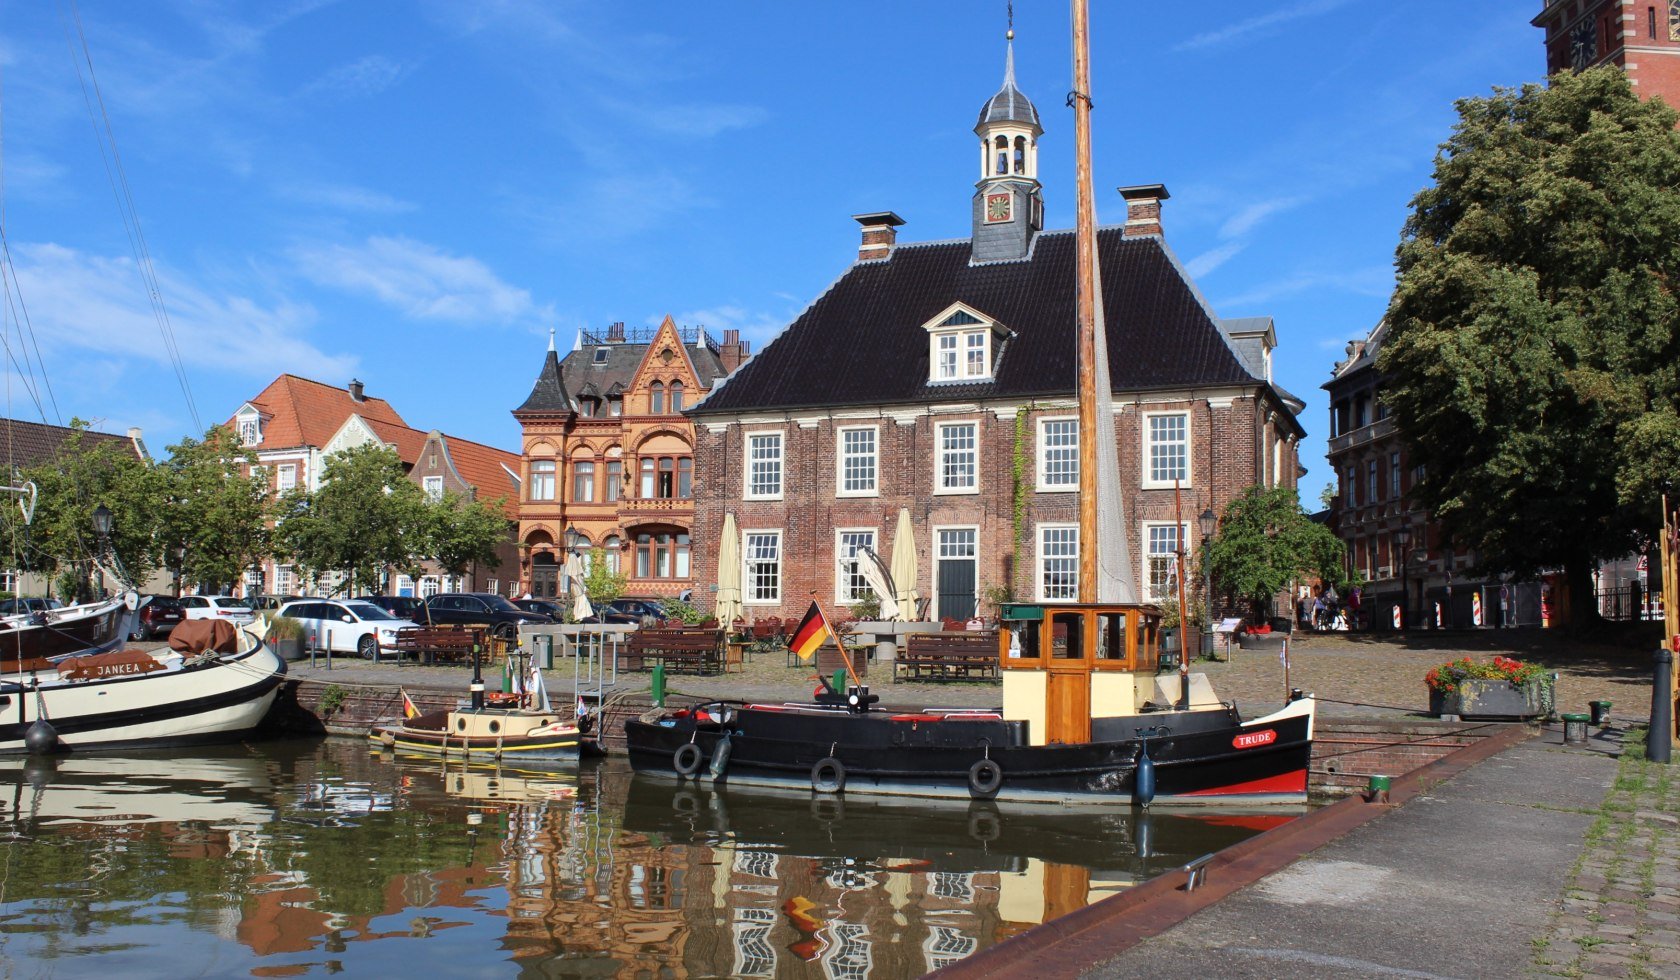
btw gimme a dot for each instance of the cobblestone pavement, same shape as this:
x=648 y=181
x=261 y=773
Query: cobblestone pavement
x=1620 y=912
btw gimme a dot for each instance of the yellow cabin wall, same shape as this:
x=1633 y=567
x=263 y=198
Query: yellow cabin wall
x=1024 y=694
x=1113 y=693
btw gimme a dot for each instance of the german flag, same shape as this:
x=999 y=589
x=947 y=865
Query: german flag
x=812 y=633
x=409 y=710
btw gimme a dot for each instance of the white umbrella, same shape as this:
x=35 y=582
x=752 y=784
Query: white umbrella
x=574 y=584
x=727 y=608
x=904 y=566
x=880 y=582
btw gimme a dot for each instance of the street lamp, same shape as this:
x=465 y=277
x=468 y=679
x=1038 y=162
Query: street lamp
x=1205 y=523
x=1403 y=538
x=102 y=528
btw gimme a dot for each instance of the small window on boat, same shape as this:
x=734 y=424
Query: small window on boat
x=1111 y=636
x=460 y=724
x=1023 y=641
x=1067 y=636
x=495 y=727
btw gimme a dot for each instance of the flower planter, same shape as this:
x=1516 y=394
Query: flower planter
x=289 y=649
x=1492 y=700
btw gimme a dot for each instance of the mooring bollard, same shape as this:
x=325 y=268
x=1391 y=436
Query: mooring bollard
x=1600 y=712
x=1377 y=790
x=1574 y=729
x=1659 y=740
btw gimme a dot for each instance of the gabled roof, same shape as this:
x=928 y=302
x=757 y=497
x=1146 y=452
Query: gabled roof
x=1361 y=354
x=490 y=471
x=549 y=394
x=24 y=444
x=862 y=342
x=609 y=370
x=300 y=412
x=409 y=442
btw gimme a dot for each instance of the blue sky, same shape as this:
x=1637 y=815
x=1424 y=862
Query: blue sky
x=414 y=193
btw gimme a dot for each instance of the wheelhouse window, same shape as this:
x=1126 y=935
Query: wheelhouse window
x=764 y=466
x=762 y=567
x=542 y=479
x=1166 y=449
x=957 y=461
x=858 y=462
x=1058 y=454
x=850 y=585
x=1058 y=562
x=583 y=481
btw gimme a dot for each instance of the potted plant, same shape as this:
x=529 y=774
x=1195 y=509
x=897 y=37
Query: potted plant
x=285 y=635
x=1500 y=688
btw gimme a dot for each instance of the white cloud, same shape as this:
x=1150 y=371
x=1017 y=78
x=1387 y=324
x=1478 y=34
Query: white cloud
x=1244 y=221
x=1376 y=281
x=1212 y=259
x=694 y=120
x=345 y=197
x=81 y=303
x=362 y=77
x=420 y=280
x=1258 y=23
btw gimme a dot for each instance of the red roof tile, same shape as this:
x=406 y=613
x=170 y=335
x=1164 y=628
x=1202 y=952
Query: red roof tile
x=300 y=412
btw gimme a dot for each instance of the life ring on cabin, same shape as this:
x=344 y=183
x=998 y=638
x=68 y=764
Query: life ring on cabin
x=687 y=759
x=828 y=776
x=985 y=778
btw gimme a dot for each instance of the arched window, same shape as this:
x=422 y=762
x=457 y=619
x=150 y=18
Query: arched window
x=1002 y=154
x=676 y=397
x=612 y=550
x=656 y=398
x=1020 y=154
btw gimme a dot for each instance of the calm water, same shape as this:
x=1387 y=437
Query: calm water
x=311 y=858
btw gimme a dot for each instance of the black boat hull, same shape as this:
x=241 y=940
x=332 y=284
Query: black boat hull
x=1200 y=757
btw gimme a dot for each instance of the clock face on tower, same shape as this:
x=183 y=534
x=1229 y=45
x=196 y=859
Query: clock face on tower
x=1583 y=46
x=998 y=207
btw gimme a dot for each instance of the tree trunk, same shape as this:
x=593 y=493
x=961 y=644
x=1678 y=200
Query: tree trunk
x=1583 y=604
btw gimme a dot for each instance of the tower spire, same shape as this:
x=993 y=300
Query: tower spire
x=551 y=338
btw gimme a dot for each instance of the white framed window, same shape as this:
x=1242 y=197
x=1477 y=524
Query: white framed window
x=1166 y=449
x=429 y=586
x=1160 y=559
x=583 y=480
x=285 y=477
x=250 y=430
x=764 y=466
x=849 y=584
x=1058 y=561
x=1058 y=454
x=957 y=457
x=961 y=345
x=761 y=572
x=433 y=487
x=613 y=549
x=857 y=453
x=945 y=354
x=542 y=479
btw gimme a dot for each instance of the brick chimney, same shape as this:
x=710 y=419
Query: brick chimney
x=356 y=391
x=615 y=332
x=1143 y=209
x=880 y=231
x=733 y=352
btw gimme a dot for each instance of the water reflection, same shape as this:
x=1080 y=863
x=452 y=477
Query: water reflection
x=303 y=858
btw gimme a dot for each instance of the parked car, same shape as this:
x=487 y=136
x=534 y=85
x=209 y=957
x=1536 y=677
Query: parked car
x=11 y=607
x=265 y=605
x=637 y=612
x=225 y=607
x=481 y=609
x=156 y=617
x=548 y=607
x=346 y=625
x=401 y=606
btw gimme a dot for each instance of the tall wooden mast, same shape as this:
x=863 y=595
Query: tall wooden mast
x=1085 y=298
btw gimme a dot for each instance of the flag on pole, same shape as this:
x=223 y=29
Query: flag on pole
x=409 y=710
x=812 y=633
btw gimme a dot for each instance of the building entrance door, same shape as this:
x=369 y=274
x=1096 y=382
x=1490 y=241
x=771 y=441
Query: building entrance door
x=957 y=572
x=545 y=576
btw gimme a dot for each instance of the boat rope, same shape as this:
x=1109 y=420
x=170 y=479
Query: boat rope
x=1366 y=704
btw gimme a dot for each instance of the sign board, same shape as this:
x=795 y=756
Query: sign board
x=1014 y=612
x=1228 y=625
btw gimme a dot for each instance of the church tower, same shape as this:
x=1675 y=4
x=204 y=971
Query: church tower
x=1008 y=200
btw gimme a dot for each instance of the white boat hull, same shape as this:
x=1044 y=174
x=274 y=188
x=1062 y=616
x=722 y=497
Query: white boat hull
x=214 y=700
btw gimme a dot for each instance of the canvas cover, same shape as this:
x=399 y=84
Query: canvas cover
x=195 y=636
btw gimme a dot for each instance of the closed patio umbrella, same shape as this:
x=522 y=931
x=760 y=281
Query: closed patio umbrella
x=728 y=607
x=574 y=584
x=904 y=566
x=875 y=573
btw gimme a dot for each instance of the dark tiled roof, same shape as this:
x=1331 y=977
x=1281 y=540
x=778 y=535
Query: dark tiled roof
x=549 y=393
x=25 y=444
x=862 y=342
x=619 y=369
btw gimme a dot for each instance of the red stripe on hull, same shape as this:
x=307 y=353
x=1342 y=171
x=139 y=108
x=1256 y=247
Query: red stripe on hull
x=1289 y=782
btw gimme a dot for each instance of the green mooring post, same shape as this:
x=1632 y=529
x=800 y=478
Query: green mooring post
x=839 y=678
x=659 y=685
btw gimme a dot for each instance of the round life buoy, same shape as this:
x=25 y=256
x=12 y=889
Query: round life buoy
x=828 y=776
x=985 y=778
x=687 y=759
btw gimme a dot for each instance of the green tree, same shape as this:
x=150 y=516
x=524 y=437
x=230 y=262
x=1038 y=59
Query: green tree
x=83 y=474
x=461 y=533
x=367 y=516
x=1532 y=360
x=218 y=509
x=602 y=583
x=1264 y=543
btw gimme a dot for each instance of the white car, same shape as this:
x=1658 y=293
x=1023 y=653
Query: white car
x=225 y=607
x=346 y=625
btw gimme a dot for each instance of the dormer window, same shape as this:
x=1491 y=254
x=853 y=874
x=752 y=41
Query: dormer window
x=601 y=355
x=250 y=430
x=963 y=345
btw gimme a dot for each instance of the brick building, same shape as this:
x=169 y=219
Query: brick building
x=294 y=424
x=1642 y=37
x=608 y=453
x=927 y=370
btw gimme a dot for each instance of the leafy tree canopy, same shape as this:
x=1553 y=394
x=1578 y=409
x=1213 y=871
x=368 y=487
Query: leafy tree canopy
x=1264 y=543
x=366 y=516
x=1532 y=357
x=217 y=509
x=461 y=533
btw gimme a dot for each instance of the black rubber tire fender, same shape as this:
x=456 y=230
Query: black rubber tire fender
x=828 y=776
x=687 y=759
x=985 y=778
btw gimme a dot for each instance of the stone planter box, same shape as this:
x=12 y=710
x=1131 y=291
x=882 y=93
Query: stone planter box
x=1489 y=700
x=290 y=650
x=1261 y=641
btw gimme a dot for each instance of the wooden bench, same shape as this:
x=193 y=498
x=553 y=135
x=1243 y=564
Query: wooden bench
x=434 y=643
x=947 y=655
x=678 y=648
